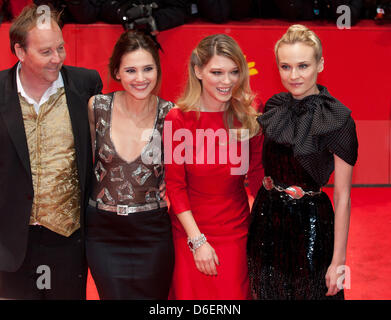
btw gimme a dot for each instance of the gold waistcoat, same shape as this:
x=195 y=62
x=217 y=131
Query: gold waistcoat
x=50 y=141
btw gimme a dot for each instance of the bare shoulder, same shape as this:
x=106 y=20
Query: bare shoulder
x=91 y=102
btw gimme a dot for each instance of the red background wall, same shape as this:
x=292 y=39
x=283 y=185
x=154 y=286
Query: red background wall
x=357 y=71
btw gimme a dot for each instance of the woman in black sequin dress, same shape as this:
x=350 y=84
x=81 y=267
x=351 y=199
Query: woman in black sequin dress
x=296 y=244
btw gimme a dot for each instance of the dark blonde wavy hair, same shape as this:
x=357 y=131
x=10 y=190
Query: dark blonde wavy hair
x=240 y=104
x=300 y=33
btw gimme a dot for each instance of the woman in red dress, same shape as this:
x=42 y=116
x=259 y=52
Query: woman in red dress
x=209 y=141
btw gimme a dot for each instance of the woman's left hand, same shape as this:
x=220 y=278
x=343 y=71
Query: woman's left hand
x=332 y=283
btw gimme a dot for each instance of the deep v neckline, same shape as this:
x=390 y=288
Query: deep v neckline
x=149 y=139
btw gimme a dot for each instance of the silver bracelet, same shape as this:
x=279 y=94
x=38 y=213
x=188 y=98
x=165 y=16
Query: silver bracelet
x=195 y=243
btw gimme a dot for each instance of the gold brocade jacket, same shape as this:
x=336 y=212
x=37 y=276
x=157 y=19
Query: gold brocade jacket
x=56 y=203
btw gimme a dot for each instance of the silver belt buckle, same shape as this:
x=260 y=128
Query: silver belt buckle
x=122 y=210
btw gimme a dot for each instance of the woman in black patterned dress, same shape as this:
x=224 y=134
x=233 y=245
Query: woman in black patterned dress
x=297 y=245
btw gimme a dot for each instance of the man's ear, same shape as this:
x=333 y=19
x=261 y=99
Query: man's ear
x=19 y=52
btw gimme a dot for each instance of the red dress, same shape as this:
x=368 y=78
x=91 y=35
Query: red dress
x=217 y=199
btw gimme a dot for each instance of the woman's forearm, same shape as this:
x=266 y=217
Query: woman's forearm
x=189 y=224
x=341 y=229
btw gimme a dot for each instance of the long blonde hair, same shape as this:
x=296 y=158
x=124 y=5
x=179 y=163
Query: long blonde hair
x=240 y=104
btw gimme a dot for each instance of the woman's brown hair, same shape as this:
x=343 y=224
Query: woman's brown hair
x=130 y=41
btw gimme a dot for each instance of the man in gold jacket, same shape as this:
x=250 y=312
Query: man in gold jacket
x=45 y=163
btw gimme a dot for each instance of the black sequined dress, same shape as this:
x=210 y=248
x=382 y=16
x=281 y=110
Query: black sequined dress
x=290 y=242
